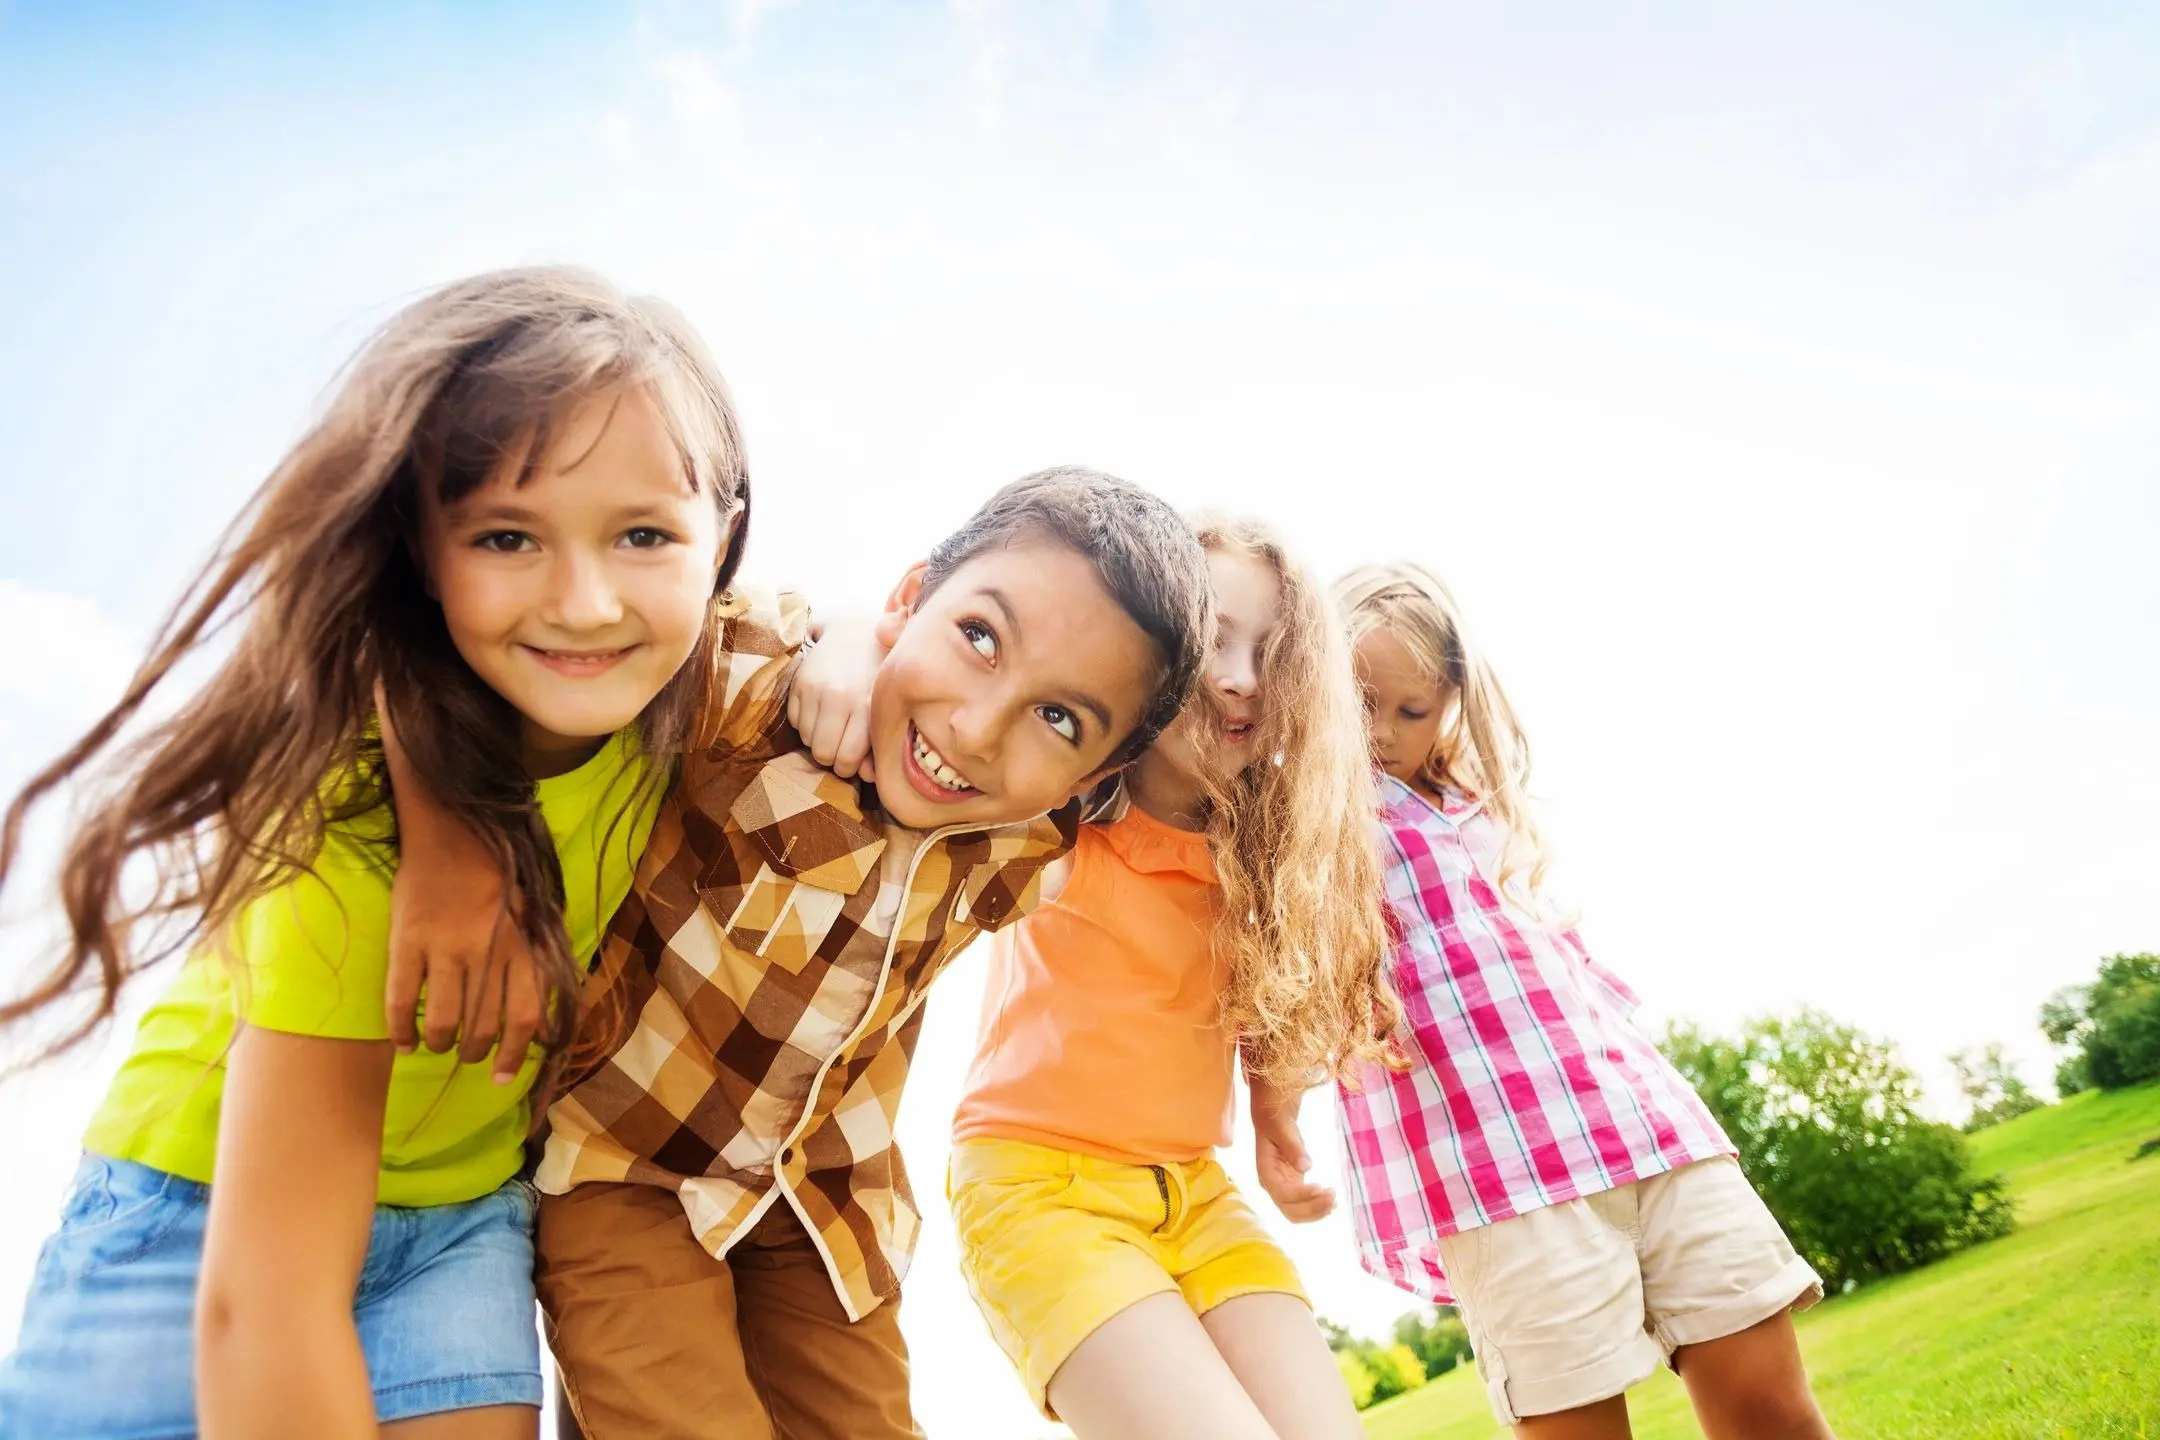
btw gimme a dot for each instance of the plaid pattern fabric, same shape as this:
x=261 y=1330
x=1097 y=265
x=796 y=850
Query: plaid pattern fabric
x=1529 y=1084
x=759 y=995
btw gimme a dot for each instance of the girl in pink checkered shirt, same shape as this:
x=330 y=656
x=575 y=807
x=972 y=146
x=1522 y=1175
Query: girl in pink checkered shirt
x=1540 y=1164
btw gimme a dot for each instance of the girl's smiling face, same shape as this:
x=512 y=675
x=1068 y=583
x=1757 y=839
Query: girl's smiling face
x=1218 y=732
x=1404 y=705
x=578 y=595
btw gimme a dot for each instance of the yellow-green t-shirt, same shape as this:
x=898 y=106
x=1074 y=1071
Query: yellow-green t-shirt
x=317 y=956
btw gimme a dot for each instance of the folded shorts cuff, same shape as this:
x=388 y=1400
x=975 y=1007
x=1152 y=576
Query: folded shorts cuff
x=415 y=1398
x=1615 y=1374
x=1795 y=1286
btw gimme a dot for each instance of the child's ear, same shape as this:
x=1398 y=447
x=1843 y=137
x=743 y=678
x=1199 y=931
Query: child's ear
x=900 y=605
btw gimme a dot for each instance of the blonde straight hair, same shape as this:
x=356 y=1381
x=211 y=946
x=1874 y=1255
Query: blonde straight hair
x=1303 y=913
x=1480 y=748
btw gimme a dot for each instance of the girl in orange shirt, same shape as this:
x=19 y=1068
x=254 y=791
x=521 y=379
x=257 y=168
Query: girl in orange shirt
x=1226 y=902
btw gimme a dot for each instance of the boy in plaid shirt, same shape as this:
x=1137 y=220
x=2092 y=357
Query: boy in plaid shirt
x=725 y=1220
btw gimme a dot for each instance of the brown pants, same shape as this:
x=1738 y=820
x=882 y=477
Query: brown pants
x=656 y=1340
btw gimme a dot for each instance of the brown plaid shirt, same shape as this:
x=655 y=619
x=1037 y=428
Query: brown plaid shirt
x=766 y=977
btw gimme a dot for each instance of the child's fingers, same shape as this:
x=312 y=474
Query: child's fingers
x=825 y=734
x=446 y=982
x=854 y=751
x=401 y=994
x=802 y=713
x=482 y=1020
x=522 y=1013
x=1304 y=1212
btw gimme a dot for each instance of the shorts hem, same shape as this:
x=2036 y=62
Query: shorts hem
x=1242 y=1292
x=416 y=1398
x=1515 y=1398
x=1795 y=1286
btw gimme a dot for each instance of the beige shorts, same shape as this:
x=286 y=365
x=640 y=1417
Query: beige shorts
x=1577 y=1302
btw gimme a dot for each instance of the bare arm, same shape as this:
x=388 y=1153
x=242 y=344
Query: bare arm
x=451 y=928
x=1279 y=1156
x=299 y=1147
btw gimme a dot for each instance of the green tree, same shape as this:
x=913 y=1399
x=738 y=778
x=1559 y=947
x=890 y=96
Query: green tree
x=2109 y=1029
x=1436 y=1336
x=1992 y=1088
x=1829 y=1129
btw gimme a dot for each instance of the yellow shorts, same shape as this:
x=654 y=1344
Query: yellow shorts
x=1054 y=1244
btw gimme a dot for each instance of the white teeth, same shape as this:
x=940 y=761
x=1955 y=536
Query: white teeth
x=933 y=765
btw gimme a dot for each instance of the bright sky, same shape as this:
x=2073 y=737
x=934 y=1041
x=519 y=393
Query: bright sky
x=1777 y=389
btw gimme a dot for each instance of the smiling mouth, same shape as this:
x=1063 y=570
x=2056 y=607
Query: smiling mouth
x=1237 y=732
x=579 y=664
x=932 y=774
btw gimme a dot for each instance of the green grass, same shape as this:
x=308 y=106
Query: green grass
x=2051 y=1332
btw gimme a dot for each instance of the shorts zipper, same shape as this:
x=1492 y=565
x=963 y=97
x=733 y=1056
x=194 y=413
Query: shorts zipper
x=1162 y=1188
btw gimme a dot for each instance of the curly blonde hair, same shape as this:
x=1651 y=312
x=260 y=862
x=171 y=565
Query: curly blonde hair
x=1302 y=918
x=1480 y=749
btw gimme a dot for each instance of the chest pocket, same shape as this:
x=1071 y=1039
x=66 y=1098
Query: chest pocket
x=812 y=851
x=997 y=893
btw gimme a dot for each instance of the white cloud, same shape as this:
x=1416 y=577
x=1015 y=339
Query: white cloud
x=60 y=650
x=748 y=13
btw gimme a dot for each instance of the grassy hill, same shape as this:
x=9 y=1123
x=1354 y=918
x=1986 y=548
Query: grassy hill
x=2053 y=1331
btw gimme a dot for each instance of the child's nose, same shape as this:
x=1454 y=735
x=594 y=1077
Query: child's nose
x=584 y=598
x=975 y=731
x=1238 y=675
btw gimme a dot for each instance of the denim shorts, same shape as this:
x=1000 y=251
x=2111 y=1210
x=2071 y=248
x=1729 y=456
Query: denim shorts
x=444 y=1309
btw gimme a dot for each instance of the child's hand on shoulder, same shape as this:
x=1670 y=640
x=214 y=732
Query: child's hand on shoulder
x=452 y=937
x=1279 y=1157
x=829 y=698
x=453 y=942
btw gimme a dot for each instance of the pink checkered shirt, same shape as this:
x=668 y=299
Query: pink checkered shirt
x=1529 y=1085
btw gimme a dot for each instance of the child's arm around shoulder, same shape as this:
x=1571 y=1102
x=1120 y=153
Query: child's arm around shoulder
x=451 y=933
x=299 y=1148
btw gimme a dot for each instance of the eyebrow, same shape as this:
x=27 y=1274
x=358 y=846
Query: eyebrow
x=1079 y=699
x=502 y=513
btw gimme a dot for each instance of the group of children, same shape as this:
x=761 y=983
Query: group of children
x=503 y=755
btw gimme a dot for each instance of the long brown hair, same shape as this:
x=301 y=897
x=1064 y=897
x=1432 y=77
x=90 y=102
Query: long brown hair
x=226 y=799
x=1303 y=915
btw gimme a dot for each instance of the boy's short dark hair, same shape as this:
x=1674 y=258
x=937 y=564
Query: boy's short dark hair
x=1143 y=552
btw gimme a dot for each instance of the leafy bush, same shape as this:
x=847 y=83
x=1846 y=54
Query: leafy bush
x=1437 y=1337
x=1828 y=1126
x=1376 y=1372
x=1403 y=1371
x=1356 y=1377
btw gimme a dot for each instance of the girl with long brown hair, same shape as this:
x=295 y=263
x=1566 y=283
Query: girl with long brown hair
x=510 y=524
x=1224 y=903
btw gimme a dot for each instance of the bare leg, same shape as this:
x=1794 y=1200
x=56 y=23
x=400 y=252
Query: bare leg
x=487 y=1422
x=1153 y=1374
x=1276 y=1351
x=1604 y=1420
x=1752 y=1385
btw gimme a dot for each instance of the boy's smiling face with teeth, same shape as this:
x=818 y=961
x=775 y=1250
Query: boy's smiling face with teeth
x=1007 y=689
